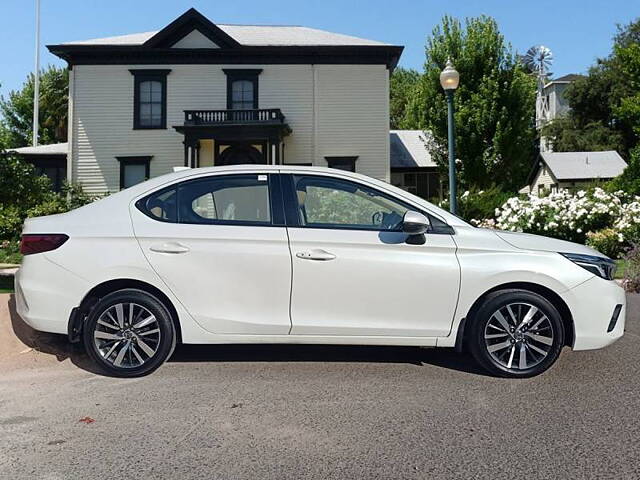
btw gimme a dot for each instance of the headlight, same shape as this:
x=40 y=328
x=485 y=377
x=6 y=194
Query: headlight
x=600 y=266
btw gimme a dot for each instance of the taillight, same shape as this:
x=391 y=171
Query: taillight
x=38 y=243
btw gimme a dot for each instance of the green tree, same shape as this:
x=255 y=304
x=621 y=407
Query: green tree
x=627 y=53
x=403 y=85
x=16 y=125
x=567 y=134
x=24 y=194
x=495 y=104
x=605 y=104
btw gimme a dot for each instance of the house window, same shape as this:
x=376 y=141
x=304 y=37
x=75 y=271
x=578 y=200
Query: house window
x=149 y=98
x=242 y=88
x=133 y=170
x=342 y=163
x=241 y=95
x=53 y=168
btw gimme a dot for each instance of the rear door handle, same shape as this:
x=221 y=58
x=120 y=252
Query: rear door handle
x=169 y=247
x=316 y=254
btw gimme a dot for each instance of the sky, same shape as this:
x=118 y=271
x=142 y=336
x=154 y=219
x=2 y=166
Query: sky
x=577 y=31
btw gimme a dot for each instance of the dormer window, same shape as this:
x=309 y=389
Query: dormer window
x=150 y=99
x=242 y=88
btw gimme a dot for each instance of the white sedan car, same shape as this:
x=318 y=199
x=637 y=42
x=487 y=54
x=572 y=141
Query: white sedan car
x=283 y=254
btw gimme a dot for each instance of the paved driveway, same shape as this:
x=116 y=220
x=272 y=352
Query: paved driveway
x=316 y=412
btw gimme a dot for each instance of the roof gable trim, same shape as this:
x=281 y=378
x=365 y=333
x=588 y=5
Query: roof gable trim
x=184 y=25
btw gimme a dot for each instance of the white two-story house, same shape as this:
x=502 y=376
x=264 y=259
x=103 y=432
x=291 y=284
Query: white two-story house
x=198 y=94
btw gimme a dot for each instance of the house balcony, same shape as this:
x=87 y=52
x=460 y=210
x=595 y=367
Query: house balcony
x=261 y=116
x=256 y=135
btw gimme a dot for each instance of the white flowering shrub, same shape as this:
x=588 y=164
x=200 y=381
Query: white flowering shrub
x=574 y=217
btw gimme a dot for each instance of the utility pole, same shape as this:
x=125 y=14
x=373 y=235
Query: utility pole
x=36 y=79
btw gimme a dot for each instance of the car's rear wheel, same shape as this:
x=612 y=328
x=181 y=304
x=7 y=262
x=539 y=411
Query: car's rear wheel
x=129 y=333
x=516 y=333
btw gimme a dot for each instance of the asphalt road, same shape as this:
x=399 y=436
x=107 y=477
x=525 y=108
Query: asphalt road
x=247 y=412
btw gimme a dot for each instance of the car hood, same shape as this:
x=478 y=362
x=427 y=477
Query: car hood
x=527 y=241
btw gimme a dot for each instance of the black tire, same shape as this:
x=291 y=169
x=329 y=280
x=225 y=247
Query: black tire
x=143 y=339
x=498 y=360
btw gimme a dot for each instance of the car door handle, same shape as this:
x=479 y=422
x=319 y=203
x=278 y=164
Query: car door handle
x=316 y=254
x=169 y=247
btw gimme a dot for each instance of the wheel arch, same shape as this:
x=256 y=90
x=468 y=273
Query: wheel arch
x=79 y=314
x=547 y=293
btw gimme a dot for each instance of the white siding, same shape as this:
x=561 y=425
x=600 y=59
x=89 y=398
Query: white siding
x=353 y=116
x=543 y=178
x=350 y=116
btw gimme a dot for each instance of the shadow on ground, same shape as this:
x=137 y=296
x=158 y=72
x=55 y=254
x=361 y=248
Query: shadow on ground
x=59 y=346
x=48 y=343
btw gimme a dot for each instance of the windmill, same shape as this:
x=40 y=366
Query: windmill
x=539 y=59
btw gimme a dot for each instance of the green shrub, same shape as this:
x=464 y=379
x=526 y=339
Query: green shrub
x=11 y=219
x=606 y=241
x=632 y=269
x=480 y=204
x=10 y=252
x=629 y=181
x=25 y=194
x=20 y=186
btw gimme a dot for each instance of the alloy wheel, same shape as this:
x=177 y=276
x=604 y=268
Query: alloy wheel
x=127 y=335
x=519 y=336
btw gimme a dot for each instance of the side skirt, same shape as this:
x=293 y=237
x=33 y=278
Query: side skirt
x=315 y=339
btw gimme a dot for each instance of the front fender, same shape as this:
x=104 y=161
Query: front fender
x=482 y=272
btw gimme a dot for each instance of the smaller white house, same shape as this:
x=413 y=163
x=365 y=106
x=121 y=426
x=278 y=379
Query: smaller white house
x=412 y=167
x=49 y=160
x=572 y=170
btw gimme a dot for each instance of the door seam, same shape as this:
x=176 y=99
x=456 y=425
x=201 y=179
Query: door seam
x=291 y=281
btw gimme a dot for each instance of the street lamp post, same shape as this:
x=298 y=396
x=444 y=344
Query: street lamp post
x=449 y=79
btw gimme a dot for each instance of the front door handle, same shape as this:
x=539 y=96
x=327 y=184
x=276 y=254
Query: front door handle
x=169 y=247
x=316 y=254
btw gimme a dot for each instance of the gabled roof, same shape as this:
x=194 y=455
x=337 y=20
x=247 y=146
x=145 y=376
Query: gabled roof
x=571 y=77
x=194 y=39
x=408 y=149
x=567 y=78
x=186 y=23
x=567 y=166
x=584 y=165
x=250 y=36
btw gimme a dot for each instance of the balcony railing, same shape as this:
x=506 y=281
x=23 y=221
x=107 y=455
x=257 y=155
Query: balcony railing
x=222 y=117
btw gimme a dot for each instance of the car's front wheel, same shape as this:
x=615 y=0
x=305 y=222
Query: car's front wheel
x=516 y=333
x=129 y=333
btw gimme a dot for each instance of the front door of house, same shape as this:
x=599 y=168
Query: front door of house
x=240 y=154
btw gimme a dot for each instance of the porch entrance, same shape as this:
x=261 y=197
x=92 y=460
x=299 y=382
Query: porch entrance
x=238 y=154
x=238 y=136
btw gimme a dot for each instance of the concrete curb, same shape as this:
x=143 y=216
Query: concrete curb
x=8 y=272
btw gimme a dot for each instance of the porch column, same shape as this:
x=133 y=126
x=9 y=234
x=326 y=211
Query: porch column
x=190 y=151
x=273 y=157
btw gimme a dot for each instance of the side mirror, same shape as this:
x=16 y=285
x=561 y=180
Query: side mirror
x=415 y=223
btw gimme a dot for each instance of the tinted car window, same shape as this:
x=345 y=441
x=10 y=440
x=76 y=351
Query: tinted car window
x=334 y=203
x=161 y=205
x=228 y=199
